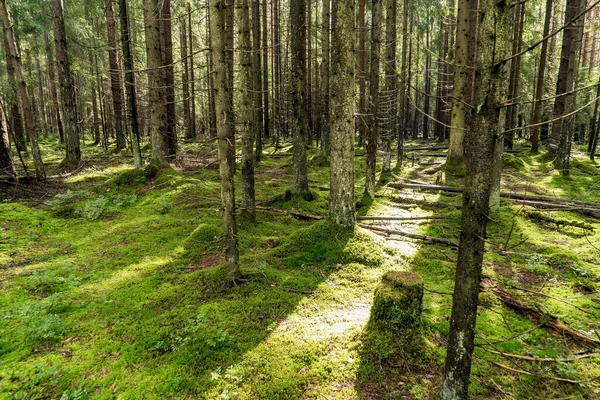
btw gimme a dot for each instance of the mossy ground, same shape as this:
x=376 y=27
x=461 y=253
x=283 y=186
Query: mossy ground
x=110 y=288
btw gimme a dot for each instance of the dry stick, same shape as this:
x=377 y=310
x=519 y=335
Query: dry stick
x=395 y=218
x=427 y=239
x=535 y=359
x=540 y=316
x=520 y=371
x=507 y=195
x=291 y=213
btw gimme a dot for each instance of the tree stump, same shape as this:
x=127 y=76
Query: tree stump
x=398 y=301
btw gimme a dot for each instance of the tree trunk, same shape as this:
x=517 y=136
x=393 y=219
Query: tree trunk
x=192 y=100
x=7 y=166
x=185 y=78
x=515 y=76
x=362 y=74
x=463 y=78
x=481 y=142
x=539 y=90
x=370 y=178
x=166 y=37
x=15 y=122
x=265 y=82
x=95 y=93
x=390 y=85
x=115 y=75
x=277 y=86
x=247 y=112
x=67 y=86
x=157 y=96
x=130 y=84
x=403 y=85
x=341 y=200
x=225 y=128
x=562 y=130
x=325 y=74
x=298 y=92
x=15 y=61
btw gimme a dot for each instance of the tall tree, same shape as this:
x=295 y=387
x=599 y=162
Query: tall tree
x=325 y=73
x=265 y=80
x=185 y=79
x=115 y=74
x=225 y=127
x=190 y=51
x=298 y=92
x=481 y=143
x=390 y=86
x=157 y=97
x=15 y=60
x=15 y=117
x=562 y=129
x=247 y=112
x=515 y=76
x=130 y=85
x=362 y=74
x=341 y=200
x=373 y=99
x=166 y=37
x=463 y=77
x=257 y=79
x=7 y=166
x=67 y=86
x=539 y=88
x=403 y=85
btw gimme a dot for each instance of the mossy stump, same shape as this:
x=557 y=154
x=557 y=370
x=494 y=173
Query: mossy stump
x=398 y=302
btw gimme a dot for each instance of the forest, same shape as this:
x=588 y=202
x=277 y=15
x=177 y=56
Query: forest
x=299 y=199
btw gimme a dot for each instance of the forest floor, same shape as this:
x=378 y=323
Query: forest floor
x=110 y=286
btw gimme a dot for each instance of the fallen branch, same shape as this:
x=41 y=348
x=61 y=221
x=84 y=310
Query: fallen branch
x=520 y=371
x=541 y=217
x=427 y=239
x=394 y=218
x=432 y=148
x=540 y=316
x=536 y=359
x=586 y=208
x=294 y=214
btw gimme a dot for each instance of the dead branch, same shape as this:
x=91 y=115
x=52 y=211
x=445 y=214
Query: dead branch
x=394 y=218
x=539 y=316
x=520 y=371
x=294 y=214
x=536 y=359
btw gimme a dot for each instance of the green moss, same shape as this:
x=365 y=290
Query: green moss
x=510 y=161
x=398 y=301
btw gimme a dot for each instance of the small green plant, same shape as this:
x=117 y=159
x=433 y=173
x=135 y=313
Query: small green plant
x=94 y=208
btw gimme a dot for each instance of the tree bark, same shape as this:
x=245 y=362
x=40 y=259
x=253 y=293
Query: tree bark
x=341 y=198
x=362 y=74
x=298 y=93
x=157 y=96
x=372 y=140
x=481 y=142
x=463 y=78
x=225 y=128
x=7 y=166
x=115 y=75
x=168 y=71
x=15 y=117
x=67 y=86
x=130 y=84
x=569 y=65
x=325 y=76
x=515 y=76
x=15 y=60
x=541 y=74
x=52 y=89
x=185 y=79
x=403 y=85
x=247 y=112
x=390 y=86
x=192 y=100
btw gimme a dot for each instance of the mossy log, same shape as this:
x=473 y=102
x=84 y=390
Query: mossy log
x=398 y=301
